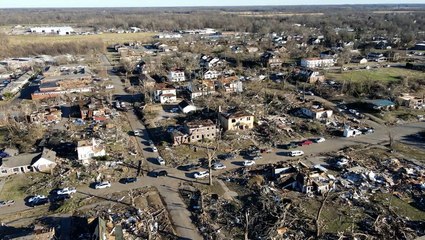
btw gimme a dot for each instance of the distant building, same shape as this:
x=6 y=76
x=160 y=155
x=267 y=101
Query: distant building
x=164 y=93
x=201 y=88
x=186 y=107
x=270 y=59
x=316 y=112
x=176 y=75
x=52 y=30
x=236 y=121
x=380 y=104
x=211 y=74
x=230 y=84
x=409 y=101
x=317 y=63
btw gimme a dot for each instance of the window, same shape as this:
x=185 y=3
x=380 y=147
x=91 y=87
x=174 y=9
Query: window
x=16 y=170
x=233 y=120
x=208 y=135
x=212 y=134
x=197 y=136
x=208 y=128
x=193 y=137
x=4 y=171
x=248 y=118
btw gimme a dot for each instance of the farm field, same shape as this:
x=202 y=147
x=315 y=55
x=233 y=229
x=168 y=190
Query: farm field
x=380 y=74
x=107 y=38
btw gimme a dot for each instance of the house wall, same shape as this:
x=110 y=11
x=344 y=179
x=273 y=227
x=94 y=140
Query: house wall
x=237 y=123
x=15 y=170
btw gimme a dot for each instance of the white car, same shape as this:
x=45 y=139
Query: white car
x=66 y=191
x=102 y=185
x=319 y=140
x=154 y=149
x=36 y=198
x=296 y=153
x=218 y=166
x=201 y=174
x=161 y=161
x=247 y=163
x=137 y=133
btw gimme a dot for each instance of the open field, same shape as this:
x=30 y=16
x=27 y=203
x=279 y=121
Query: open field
x=380 y=74
x=107 y=38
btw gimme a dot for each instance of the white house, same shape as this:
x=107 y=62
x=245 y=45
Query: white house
x=186 y=107
x=201 y=88
x=211 y=74
x=89 y=149
x=349 y=132
x=52 y=30
x=176 y=76
x=317 y=62
x=164 y=93
x=46 y=162
x=317 y=112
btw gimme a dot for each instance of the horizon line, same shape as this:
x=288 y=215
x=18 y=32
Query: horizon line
x=217 y=6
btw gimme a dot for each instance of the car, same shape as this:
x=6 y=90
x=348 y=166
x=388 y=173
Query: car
x=296 y=153
x=257 y=157
x=150 y=142
x=319 y=140
x=66 y=191
x=160 y=160
x=159 y=173
x=201 y=174
x=36 y=198
x=137 y=133
x=6 y=203
x=218 y=166
x=101 y=185
x=154 y=149
x=61 y=197
x=128 y=180
x=305 y=143
x=226 y=156
x=247 y=163
x=39 y=202
x=290 y=145
x=189 y=167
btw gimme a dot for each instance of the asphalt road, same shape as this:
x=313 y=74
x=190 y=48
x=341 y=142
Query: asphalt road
x=168 y=186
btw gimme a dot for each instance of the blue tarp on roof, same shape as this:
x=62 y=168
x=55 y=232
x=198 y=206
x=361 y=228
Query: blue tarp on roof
x=381 y=102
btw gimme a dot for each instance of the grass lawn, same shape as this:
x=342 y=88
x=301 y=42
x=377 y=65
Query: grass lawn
x=410 y=152
x=16 y=186
x=379 y=74
x=401 y=207
x=107 y=38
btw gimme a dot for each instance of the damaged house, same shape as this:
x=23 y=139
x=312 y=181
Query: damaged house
x=201 y=88
x=230 y=84
x=194 y=131
x=164 y=93
x=306 y=180
x=49 y=115
x=88 y=149
x=28 y=162
x=96 y=110
x=236 y=120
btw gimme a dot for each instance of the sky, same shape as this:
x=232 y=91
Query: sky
x=178 y=3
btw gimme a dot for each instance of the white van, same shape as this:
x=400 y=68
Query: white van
x=296 y=153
